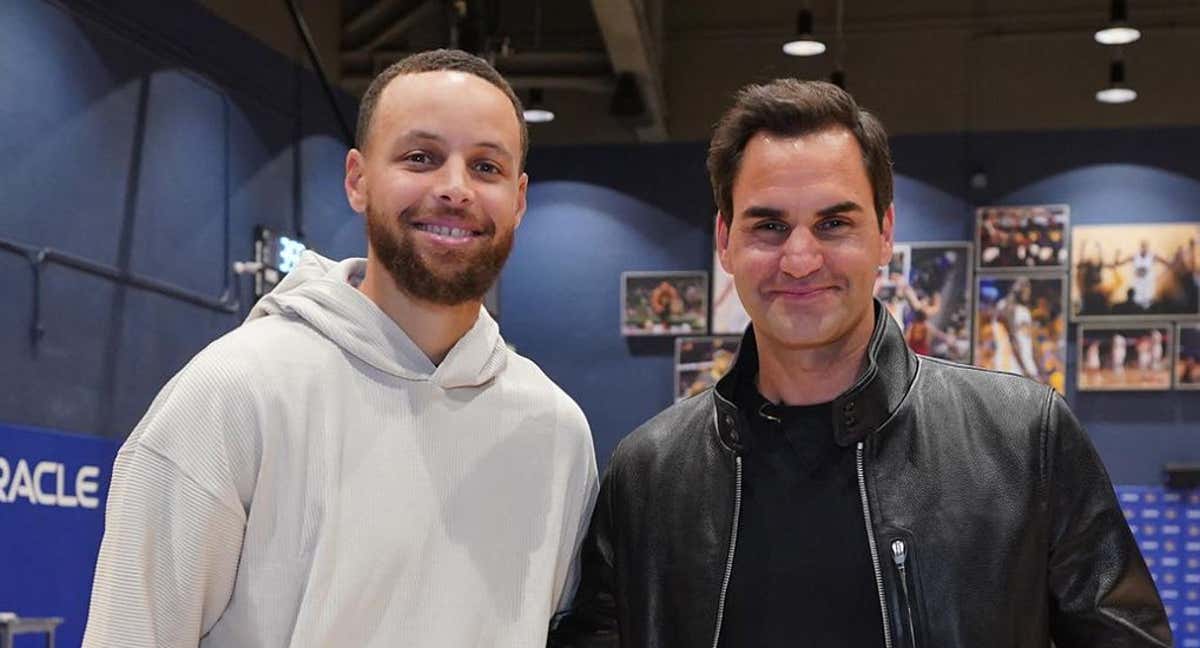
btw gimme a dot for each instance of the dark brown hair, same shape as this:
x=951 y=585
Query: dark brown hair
x=792 y=108
x=437 y=61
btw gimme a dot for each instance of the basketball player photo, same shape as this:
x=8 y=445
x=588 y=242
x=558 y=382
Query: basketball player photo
x=1124 y=272
x=1021 y=328
x=1022 y=238
x=728 y=315
x=1187 y=358
x=701 y=361
x=1124 y=357
x=928 y=292
x=664 y=303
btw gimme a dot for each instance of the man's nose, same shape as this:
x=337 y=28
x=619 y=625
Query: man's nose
x=802 y=254
x=454 y=184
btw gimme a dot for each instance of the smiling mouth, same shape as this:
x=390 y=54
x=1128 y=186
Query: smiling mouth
x=447 y=231
x=805 y=293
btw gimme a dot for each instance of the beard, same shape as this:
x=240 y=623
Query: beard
x=450 y=277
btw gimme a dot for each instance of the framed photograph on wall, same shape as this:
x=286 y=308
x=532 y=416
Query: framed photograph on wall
x=931 y=300
x=1022 y=238
x=1124 y=357
x=1187 y=356
x=896 y=271
x=701 y=361
x=1143 y=271
x=728 y=315
x=664 y=303
x=1021 y=326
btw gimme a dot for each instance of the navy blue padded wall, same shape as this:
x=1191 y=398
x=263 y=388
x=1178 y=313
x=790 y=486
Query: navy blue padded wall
x=137 y=134
x=596 y=211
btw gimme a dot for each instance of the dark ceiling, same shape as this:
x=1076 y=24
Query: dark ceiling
x=923 y=65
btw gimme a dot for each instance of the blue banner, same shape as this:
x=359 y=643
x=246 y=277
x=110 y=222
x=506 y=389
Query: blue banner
x=53 y=487
x=1166 y=524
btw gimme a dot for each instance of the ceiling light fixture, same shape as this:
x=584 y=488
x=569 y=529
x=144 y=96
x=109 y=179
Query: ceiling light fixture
x=1118 y=31
x=537 y=112
x=1116 y=92
x=804 y=44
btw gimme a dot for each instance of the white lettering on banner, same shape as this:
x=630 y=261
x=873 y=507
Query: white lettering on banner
x=85 y=485
x=64 y=500
x=22 y=483
x=41 y=470
x=17 y=481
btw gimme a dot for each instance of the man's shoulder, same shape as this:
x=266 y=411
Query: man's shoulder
x=1009 y=395
x=670 y=432
x=262 y=348
x=973 y=377
x=531 y=388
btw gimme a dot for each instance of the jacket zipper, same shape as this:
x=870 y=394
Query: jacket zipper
x=862 y=492
x=900 y=557
x=737 y=510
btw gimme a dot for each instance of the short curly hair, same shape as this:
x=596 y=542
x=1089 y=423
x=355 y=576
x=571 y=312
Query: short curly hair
x=792 y=108
x=437 y=61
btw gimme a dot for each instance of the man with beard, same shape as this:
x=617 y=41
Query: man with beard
x=364 y=462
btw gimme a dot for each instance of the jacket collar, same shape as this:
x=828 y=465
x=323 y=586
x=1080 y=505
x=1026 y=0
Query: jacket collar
x=858 y=411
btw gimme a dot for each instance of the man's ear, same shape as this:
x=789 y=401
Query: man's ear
x=356 y=183
x=722 y=242
x=522 y=189
x=888 y=233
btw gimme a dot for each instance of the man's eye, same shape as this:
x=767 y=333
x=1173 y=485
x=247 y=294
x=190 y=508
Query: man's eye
x=833 y=223
x=418 y=157
x=772 y=226
x=487 y=167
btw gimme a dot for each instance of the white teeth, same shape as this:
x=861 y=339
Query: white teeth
x=442 y=230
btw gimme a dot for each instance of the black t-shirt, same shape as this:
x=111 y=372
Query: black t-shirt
x=802 y=572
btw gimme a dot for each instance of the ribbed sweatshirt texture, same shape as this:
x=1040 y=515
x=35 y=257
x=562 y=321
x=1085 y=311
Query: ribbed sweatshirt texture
x=312 y=479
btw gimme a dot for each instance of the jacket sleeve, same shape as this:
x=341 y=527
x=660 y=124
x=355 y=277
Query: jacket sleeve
x=591 y=619
x=1101 y=593
x=174 y=520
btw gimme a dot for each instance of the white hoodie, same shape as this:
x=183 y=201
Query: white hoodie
x=312 y=479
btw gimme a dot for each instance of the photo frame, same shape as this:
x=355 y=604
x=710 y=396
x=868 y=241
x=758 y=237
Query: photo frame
x=1134 y=356
x=896 y=271
x=1147 y=271
x=931 y=300
x=1021 y=326
x=1022 y=238
x=1187 y=356
x=701 y=361
x=729 y=317
x=664 y=303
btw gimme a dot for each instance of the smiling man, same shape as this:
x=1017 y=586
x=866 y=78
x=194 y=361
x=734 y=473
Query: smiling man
x=364 y=462
x=834 y=489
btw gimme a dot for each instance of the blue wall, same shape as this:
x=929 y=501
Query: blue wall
x=597 y=211
x=594 y=213
x=137 y=135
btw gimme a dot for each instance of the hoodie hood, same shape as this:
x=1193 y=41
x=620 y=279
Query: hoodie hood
x=324 y=294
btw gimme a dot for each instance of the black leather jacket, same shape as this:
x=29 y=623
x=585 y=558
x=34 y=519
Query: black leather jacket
x=1011 y=534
